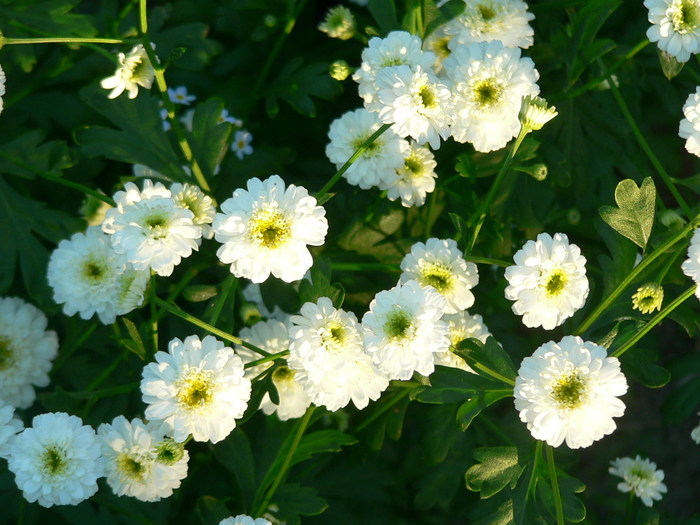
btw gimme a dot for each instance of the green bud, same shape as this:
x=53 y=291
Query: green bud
x=169 y=452
x=339 y=70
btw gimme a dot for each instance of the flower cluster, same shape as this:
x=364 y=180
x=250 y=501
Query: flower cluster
x=641 y=477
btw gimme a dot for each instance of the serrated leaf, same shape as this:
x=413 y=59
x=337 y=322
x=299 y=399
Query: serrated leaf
x=488 y=355
x=473 y=407
x=498 y=468
x=210 y=136
x=320 y=285
x=192 y=37
x=297 y=84
x=52 y=17
x=573 y=507
x=449 y=385
x=295 y=501
x=639 y=362
x=634 y=217
x=26 y=155
x=236 y=455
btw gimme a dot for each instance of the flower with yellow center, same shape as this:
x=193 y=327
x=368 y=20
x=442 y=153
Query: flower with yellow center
x=640 y=477
x=339 y=23
x=507 y=21
x=648 y=297
x=135 y=69
x=675 y=26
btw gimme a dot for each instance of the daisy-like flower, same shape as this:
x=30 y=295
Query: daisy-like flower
x=2 y=87
x=648 y=298
x=507 y=21
x=398 y=48
x=339 y=23
x=689 y=127
x=26 y=351
x=691 y=266
x=404 y=329
x=56 y=461
x=135 y=69
x=266 y=229
x=179 y=95
x=376 y=163
x=241 y=143
x=244 y=519
x=226 y=117
x=641 y=477
x=132 y=464
x=150 y=228
x=416 y=103
x=190 y=197
x=461 y=326
x=568 y=391
x=439 y=263
x=695 y=434
x=9 y=427
x=489 y=82
x=675 y=26
x=535 y=112
x=548 y=282
x=196 y=388
x=88 y=277
x=326 y=351
x=414 y=179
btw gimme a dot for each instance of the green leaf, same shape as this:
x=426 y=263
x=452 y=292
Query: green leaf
x=295 y=501
x=52 y=17
x=450 y=385
x=384 y=13
x=199 y=50
x=498 y=468
x=26 y=156
x=236 y=455
x=574 y=509
x=297 y=83
x=278 y=293
x=211 y=509
x=197 y=293
x=135 y=344
x=320 y=284
x=670 y=66
x=210 y=137
x=473 y=407
x=634 y=217
x=490 y=355
x=639 y=362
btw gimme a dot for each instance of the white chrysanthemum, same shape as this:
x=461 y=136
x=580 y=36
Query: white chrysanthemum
x=179 y=95
x=339 y=23
x=689 y=127
x=266 y=229
x=507 y=21
x=326 y=351
x=9 y=427
x=568 y=391
x=378 y=162
x=241 y=143
x=243 y=519
x=88 y=277
x=535 y=112
x=675 y=26
x=691 y=266
x=414 y=179
x=56 y=461
x=133 y=467
x=196 y=388
x=202 y=206
x=404 y=330
x=399 y=47
x=438 y=42
x=26 y=351
x=150 y=228
x=439 y=263
x=2 y=87
x=461 y=326
x=416 y=103
x=489 y=81
x=548 y=282
x=695 y=434
x=641 y=477
x=135 y=69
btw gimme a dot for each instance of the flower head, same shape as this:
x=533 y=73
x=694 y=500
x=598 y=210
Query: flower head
x=9 y=427
x=339 y=23
x=461 y=326
x=190 y=197
x=548 y=282
x=535 y=113
x=2 y=87
x=641 y=477
x=568 y=391
x=243 y=519
x=179 y=95
x=135 y=69
x=675 y=26
x=241 y=143
x=412 y=181
x=507 y=21
x=648 y=298
x=689 y=127
x=266 y=229
x=691 y=266
x=695 y=435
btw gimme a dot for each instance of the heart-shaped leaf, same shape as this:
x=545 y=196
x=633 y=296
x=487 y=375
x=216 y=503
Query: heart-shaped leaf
x=634 y=216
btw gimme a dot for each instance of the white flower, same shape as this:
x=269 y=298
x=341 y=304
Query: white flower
x=241 y=143
x=135 y=69
x=88 y=277
x=150 y=228
x=252 y=294
x=266 y=229
x=133 y=467
x=399 y=47
x=689 y=127
x=243 y=519
x=378 y=162
x=461 y=326
x=179 y=95
x=691 y=266
x=339 y=23
x=2 y=87
x=486 y=20
x=403 y=330
x=9 y=427
x=226 y=117
x=548 y=282
x=196 y=388
x=489 y=81
x=695 y=435
x=675 y=26
x=326 y=351
x=416 y=102
x=535 y=112
x=439 y=263
x=641 y=477
x=164 y=117
x=56 y=461
x=414 y=179
x=26 y=351
x=190 y=197
x=568 y=391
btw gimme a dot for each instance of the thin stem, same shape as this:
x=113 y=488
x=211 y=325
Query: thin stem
x=287 y=461
x=363 y=267
x=537 y=458
x=154 y=313
x=654 y=321
x=558 y=506
x=321 y=195
x=227 y=287
x=383 y=409
x=68 y=350
x=59 y=40
x=267 y=359
x=487 y=260
x=493 y=373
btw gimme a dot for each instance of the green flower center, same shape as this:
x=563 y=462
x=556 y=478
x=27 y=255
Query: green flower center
x=684 y=15
x=130 y=467
x=53 y=461
x=94 y=271
x=169 y=452
x=282 y=374
x=487 y=92
x=334 y=335
x=413 y=165
x=157 y=226
x=394 y=61
x=427 y=97
x=398 y=324
x=555 y=284
x=196 y=390
x=436 y=275
x=6 y=353
x=486 y=12
x=269 y=228
x=370 y=151
x=568 y=391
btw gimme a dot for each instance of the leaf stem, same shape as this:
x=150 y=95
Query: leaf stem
x=493 y=373
x=267 y=359
x=558 y=506
x=59 y=40
x=383 y=409
x=487 y=260
x=362 y=267
x=154 y=313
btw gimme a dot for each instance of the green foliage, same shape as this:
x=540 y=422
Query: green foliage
x=634 y=216
x=497 y=469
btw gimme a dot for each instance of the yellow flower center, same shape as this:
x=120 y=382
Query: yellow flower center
x=487 y=92
x=427 y=97
x=130 y=466
x=486 y=12
x=438 y=276
x=334 y=335
x=53 y=461
x=94 y=271
x=569 y=390
x=684 y=15
x=269 y=228
x=555 y=283
x=157 y=226
x=196 y=390
x=398 y=324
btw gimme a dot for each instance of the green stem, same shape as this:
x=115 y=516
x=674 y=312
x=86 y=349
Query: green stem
x=646 y=261
x=58 y=40
x=487 y=260
x=480 y=215
x=209 y=328
x=536 y=460
x=558 y=506
x=267 y=359
x=654 y=321
x=228 y=286
x=321 y=195
x=383 y=409
x=494 y=374
x=68 y=350
x=304 y=423
x=362 y=267
x=154 y=313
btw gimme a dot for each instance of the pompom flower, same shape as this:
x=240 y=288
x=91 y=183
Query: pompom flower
x=244 y=519
x=507 y=21
x=675 y=26
x=266 y=229
x=641 y=477
x=414 y=179
x=691 y=266
x=689 y=127
x=568 y=391
x=135 y=69
x=648 y=297
x=461 y=326
x=9 y=427
x=548 y=282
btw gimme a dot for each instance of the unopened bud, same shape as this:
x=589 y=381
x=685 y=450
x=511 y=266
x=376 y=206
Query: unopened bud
x=339 y=70
x=339 y=23
x=648 y=298
x=535 y=113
